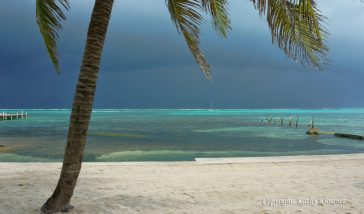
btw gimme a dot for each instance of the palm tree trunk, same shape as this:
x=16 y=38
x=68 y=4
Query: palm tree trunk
x=81 y=109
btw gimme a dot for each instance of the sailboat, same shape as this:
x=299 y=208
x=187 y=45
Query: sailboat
x=211 y=109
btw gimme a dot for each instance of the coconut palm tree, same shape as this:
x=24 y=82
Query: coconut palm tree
x=295 y=25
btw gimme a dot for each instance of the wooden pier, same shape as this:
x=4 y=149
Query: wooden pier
x=315 y=131
x=18 y=115
x=351 y=136
x=312 y=130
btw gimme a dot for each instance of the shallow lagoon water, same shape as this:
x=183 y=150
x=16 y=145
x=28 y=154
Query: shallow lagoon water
x=178 y=135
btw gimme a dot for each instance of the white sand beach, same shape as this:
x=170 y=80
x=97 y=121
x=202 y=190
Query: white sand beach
x=301 y=184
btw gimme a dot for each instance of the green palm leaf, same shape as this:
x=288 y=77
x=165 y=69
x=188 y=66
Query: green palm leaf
x=49 y=15
x=218 y=9
x=185 y=14
x=296 y=26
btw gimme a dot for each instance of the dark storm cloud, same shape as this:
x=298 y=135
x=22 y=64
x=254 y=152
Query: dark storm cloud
x=146 y=64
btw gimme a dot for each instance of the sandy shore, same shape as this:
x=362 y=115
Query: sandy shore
x=307 y=184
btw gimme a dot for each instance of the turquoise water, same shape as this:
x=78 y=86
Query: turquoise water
x=176 y=135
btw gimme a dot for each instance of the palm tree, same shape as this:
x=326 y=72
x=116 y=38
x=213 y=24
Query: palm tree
x=295 y=25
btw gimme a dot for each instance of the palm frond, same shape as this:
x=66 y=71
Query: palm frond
x=49 y=15
x=218 y=9
x=185 y=14
x=297 y=28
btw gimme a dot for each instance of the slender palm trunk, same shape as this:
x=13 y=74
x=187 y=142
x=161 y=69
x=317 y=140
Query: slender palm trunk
x=81 y=109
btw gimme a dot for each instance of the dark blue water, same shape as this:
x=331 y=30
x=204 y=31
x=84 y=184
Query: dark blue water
x=175 y=135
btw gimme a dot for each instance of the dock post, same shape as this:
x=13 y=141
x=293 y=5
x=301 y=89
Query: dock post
x=297 y=120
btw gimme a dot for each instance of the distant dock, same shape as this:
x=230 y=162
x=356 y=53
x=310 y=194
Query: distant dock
x=315 y=131
x=312 y=130
x=17 y=115
x=352 y=136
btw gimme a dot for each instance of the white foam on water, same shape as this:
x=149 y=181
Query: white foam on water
x=9 y=157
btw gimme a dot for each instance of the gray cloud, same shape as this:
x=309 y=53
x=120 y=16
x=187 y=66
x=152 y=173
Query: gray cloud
x=146 y=64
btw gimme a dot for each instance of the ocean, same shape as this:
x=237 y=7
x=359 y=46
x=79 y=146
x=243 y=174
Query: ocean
x=181 y=134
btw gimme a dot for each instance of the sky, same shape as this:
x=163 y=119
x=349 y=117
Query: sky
x=146 y=63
